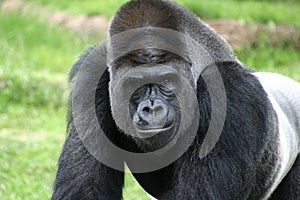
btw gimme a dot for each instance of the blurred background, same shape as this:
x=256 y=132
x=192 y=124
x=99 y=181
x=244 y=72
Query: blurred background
x=41 y=39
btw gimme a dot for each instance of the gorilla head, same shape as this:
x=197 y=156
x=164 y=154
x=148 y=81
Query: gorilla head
x=154 y=66
x=145 y=88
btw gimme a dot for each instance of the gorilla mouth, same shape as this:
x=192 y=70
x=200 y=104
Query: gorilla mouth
x=148 y=131
x=153 y=138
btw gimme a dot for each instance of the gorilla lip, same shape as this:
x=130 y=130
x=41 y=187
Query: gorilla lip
x=148 y=131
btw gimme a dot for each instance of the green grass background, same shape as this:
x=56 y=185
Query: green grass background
x=34 y=62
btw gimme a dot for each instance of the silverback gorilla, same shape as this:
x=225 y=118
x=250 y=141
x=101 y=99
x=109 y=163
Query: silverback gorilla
x=176 y=106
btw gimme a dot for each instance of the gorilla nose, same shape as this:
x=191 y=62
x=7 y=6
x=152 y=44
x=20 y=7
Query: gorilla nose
x=152 y=114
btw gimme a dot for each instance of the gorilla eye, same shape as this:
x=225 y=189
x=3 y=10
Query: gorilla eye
x=166 y=81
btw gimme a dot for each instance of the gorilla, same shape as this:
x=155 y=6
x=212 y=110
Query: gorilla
x=167 y=96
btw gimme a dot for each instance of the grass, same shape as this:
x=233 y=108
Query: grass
x=92 y=7
x=34 y=62
x=31 y=104
x=280 y=12
x=283 y=60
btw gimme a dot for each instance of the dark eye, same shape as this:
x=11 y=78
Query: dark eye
x=166 y=82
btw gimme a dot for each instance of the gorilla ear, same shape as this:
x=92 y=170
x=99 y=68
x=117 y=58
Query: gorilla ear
x=146 y=13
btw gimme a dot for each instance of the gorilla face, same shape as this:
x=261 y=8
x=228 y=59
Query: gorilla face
x=151 y=107
x=143 y=88
x=155 y=115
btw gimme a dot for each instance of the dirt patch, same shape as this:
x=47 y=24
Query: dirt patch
x=96 y=25
x=239 y=34
x=236 y=33
x=84 y=25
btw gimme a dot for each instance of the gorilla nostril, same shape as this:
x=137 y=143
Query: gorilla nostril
x=146 y=109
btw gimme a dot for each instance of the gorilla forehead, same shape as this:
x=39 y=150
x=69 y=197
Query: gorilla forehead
x=144 y=56
x=159 y=15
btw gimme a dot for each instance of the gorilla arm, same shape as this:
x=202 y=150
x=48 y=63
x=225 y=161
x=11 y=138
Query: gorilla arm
x=80 y=175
